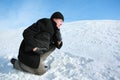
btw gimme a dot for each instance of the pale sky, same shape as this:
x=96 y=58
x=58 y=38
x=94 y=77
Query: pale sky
x=21 y=13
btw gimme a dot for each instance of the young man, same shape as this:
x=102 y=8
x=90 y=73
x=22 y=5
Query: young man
x=39 y=41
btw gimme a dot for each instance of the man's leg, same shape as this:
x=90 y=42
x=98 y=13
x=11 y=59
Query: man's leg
x=41 y=69
x=45 y=55
x=20 y=66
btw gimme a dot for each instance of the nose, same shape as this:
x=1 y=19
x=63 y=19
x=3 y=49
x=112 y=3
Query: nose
x=60 y=24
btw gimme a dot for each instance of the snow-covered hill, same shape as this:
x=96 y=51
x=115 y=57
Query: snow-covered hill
x=91 y=51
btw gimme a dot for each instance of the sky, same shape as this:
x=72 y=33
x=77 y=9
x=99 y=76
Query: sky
x=21 y=13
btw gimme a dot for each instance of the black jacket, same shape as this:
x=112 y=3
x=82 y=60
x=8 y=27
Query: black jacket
x=41 y=34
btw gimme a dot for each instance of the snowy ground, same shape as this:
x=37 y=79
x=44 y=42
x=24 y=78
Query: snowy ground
x=91 y=51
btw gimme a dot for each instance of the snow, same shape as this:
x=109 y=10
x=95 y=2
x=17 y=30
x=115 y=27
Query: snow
x=91 y=51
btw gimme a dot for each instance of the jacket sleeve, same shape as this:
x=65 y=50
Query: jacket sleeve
x=28 y=35
x=57 y=37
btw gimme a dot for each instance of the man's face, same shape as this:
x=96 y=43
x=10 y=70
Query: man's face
x=58 y=22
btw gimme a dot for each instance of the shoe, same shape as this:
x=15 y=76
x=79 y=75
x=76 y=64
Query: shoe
x=13 y=60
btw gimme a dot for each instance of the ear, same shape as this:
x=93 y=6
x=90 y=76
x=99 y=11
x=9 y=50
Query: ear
x=54 y=19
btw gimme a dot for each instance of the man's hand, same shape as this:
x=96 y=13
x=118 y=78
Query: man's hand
x=39 y=50
x=35 y=49
x=59 y=42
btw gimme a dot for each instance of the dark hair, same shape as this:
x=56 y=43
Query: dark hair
x=57 y=15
